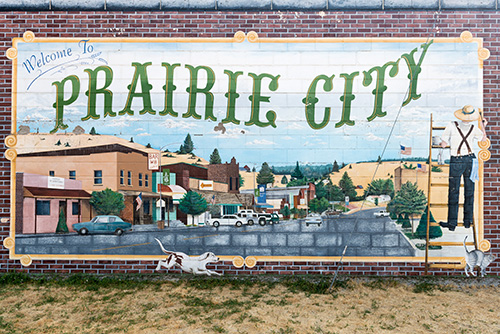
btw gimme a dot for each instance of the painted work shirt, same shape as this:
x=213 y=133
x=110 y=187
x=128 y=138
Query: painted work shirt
x=454 y=139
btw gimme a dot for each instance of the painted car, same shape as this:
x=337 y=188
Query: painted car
x=103 y=224
x=273 y=218
x=381 y=213
x=313 y=218
x=228 y=220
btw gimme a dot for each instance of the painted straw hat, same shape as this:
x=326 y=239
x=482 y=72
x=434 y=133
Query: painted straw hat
x=467 y=113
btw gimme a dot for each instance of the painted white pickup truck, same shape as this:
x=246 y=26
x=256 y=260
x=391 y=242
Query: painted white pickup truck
x=381 y=213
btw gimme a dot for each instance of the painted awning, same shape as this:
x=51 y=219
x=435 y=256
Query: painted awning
x=174 y=191
x=55 y=193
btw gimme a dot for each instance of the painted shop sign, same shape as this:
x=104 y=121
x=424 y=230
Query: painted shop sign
x=278 y=149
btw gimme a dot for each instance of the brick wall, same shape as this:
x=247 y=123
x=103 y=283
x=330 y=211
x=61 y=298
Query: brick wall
x=267 y=24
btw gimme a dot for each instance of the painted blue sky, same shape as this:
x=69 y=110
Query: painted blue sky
x=450 y=78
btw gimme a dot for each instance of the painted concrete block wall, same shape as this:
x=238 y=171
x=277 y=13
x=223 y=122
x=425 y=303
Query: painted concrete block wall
x=267 y=24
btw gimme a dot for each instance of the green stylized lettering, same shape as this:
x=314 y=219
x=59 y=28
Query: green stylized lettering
x=193 y=90
x=380 y=87
x=256 y=98
x=61 y=102
x=347 y=99
x=142 y=75
x=310 y=101
x=231 y=96
x=415 y=70
x=93 y=91
x=169 y=90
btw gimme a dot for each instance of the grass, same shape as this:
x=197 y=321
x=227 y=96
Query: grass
x=251 y=304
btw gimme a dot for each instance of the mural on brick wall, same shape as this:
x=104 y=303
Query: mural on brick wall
x=247 y=148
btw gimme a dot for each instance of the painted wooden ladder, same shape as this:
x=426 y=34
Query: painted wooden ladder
x=430 y=185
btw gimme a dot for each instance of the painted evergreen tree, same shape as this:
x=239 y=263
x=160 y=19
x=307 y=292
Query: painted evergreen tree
x=297 y=173
x=188 y=144
x=265 y=176
x=406 y=221
x=335 y=166
x=286 y=212
x=61 y=224
x=347 y=186
x=193 y=204
x=380 y=187
x=284 y=180
x=107 y=202
x=409 y=200
x=215 y=157
x=434 y=231
x=93 y=131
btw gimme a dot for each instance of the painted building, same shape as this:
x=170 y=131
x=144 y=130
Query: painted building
x=42 y=201
x=294 y=197
x=98 y=162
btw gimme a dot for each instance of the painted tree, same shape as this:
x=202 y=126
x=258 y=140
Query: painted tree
x=265 y=175
x=347 y=186
x=107 y=202
x=286 y=212
x=406 y=222
x=335 y=166
x=188 y=144
x=193 y=204
x=380 y=187
x=409 y=200
x=215 y=157
x=93 y=131
x=62 y=227
x=434 y=231
x=319 y=205
x=284 y=180
x=297 y=173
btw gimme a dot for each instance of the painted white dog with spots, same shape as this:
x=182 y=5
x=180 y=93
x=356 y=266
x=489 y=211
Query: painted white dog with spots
x=193 y=265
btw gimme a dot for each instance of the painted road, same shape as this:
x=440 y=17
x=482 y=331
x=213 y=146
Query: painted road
x=365 y=234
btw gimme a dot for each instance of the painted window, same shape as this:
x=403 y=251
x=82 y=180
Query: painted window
x=230 y=183
x=72 y=174
x=146 y=180
x=42 y=208
x=229 y=209
x=98 y=177
x=75 y=208
x=122 y=177
x=140 y=179
x=147 y=205
x=52 y=173
x=129 y=178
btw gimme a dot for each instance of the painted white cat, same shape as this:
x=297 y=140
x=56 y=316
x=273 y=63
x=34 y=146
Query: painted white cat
x=477 y=258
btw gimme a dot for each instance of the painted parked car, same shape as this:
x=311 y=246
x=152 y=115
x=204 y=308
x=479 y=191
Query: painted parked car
x=228 y=220
x=103 y=224
x=313 y=218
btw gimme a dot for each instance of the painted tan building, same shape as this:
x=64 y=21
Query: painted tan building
x=98 y=161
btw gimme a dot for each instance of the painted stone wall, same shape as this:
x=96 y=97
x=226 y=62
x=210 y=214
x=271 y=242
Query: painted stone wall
x=267 y=24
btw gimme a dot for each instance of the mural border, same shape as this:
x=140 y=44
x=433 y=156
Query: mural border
x=239 y=37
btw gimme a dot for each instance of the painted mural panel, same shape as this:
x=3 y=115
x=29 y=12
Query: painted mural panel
x=247 y=147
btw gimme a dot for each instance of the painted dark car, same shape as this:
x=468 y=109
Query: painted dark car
x=103 y=224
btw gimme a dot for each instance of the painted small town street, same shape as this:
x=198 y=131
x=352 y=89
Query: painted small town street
x=365 y=234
